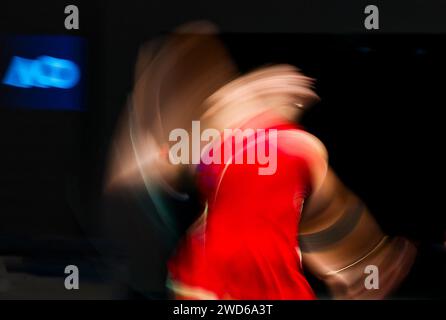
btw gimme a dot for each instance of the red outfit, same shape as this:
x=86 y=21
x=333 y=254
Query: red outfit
x=247 y=248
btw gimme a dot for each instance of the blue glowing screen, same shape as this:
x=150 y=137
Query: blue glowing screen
x=42 y=72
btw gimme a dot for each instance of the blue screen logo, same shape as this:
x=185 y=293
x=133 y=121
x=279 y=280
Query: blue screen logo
x=46 y=72
x=43 y=72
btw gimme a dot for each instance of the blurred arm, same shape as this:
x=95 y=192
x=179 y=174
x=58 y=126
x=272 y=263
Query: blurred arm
x=339 y=238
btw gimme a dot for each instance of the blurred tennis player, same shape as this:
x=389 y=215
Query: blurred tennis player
x=259 y=229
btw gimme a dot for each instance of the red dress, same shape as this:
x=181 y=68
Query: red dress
x=246 y=246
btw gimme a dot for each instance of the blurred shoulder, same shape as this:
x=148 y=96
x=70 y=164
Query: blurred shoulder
x=300 y=143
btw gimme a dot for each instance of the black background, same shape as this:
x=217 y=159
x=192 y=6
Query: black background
x=380 y=116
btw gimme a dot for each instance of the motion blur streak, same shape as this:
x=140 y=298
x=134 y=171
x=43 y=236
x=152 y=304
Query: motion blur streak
x=171 y=83
x=247 y=244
